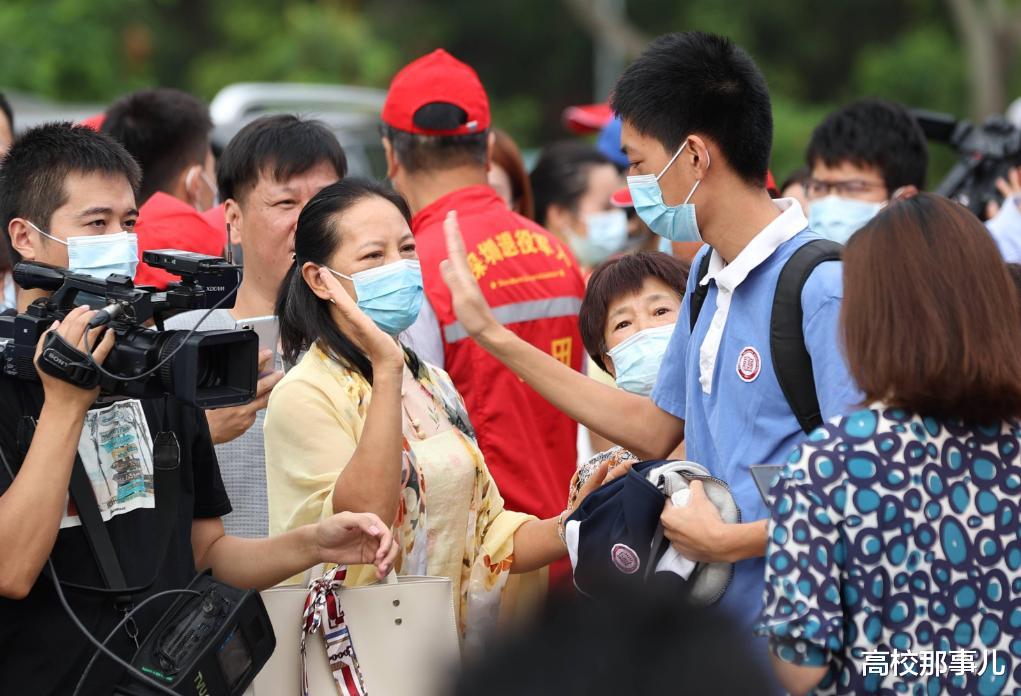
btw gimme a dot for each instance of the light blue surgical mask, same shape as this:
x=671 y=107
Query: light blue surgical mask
x=676 y=223
x=637 y=359
x=607 y=235
x=99 y=255
x=837 y=218
x=390 y=295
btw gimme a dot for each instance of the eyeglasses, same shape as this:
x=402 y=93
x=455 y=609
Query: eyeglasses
x=853 y=188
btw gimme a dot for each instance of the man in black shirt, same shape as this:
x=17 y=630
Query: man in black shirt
x=67 y=196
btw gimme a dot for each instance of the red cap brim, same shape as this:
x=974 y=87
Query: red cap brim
x=622 y=198
x=587 y=118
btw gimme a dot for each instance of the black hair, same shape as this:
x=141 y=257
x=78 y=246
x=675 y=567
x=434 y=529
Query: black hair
x=8 y=112
x=873 y=133
x=165 y=130
x=561 y=175
x=693 y=82
x=34 y=171
x=283 y=146
x=304 y=317
x=798 y=176
x=618 y=278
x=648 y=641
x=418 y=153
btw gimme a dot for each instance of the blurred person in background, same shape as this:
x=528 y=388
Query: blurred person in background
x=8 y=290
x=361 y=423
x=794 y=187
x=907 y=510
x=438 y=148
x=167 y=132
x=860 y=158
x=266 y=174
x=508 y=176
x=572 y=183
x=642 y=644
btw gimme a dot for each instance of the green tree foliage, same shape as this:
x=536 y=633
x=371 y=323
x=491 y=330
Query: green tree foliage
x=532 y=55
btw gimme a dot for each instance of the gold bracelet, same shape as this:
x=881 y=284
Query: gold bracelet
x=562 y=527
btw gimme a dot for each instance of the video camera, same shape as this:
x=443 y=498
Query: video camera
x=207 y=369
x=987 y=152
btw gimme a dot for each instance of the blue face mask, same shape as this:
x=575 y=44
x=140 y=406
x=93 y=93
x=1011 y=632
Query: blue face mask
x=636 y=361
x=607 y=234
x=837 y=218
x=675 y=223
x=390 y=295
x=99 y=255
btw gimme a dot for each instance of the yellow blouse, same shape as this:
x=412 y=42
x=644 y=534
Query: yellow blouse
x=450 y=521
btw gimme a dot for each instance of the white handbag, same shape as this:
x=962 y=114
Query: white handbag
x=402 y=630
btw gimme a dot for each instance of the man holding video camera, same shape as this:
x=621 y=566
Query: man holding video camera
x=67 y=199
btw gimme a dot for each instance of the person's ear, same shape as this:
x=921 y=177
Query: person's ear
x=696 y=153
x=391 y=158
x=559 y=220
x=608 y=361
x=904 y=192
x=192 y=181
x=310 y=273
x=490 y=144
x=20 y=233
x=232 y=213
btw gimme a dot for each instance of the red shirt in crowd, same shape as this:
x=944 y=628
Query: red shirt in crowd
x=533 y=284
x=165 y=222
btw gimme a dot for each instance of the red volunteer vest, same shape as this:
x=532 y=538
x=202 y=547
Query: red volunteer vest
x=165 y=222
x=535 y=289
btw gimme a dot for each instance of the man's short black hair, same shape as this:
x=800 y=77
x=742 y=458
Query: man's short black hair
x=873 y=133
x=282 y=146
x=424 y=153
x=560 y=176
x=165 y=130
x=618 y=278
x=693 y=82
x=34 y=171
x=5 y=108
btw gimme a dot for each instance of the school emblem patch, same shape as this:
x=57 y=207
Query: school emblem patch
x=749 y=364
x=625 y=558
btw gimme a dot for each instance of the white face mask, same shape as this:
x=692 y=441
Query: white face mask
x=637 y=359
x=99 y=255
x=606 y=235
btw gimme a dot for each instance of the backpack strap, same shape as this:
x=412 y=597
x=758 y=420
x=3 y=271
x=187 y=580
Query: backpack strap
x=700 y=292
x=791 y=361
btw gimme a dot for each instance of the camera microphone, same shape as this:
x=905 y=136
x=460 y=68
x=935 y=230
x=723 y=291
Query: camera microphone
x=106 y=315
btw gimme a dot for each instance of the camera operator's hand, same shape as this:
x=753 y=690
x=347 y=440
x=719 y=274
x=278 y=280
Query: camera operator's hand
x=72 y=330
x=1009 y=188
x=348 y=538
x=226 y=424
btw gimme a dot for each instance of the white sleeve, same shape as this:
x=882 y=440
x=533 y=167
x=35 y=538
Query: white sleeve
x=1005 y=227
x=424 y=338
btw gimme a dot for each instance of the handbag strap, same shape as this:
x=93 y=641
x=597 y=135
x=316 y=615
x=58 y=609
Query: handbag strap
x=323 y=602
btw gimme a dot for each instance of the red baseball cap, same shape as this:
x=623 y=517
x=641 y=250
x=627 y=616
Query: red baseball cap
x=95 y=122
x=437 y=78
x=587 y=118
x=621 y=198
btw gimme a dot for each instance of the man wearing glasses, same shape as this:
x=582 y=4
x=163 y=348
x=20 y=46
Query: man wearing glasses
x=861 y=158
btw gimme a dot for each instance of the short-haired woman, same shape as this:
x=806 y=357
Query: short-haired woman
x=894 y=559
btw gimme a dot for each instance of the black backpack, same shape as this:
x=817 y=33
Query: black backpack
x=791 y=361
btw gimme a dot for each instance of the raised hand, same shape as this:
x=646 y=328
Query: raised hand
x=467 y=299
x=381 y=348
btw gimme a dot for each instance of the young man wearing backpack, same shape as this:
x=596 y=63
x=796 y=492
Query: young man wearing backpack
x=697 y=130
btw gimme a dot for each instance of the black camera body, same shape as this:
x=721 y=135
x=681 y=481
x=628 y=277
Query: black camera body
x=207 y=369
x=987 y=152
x=212 y=644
